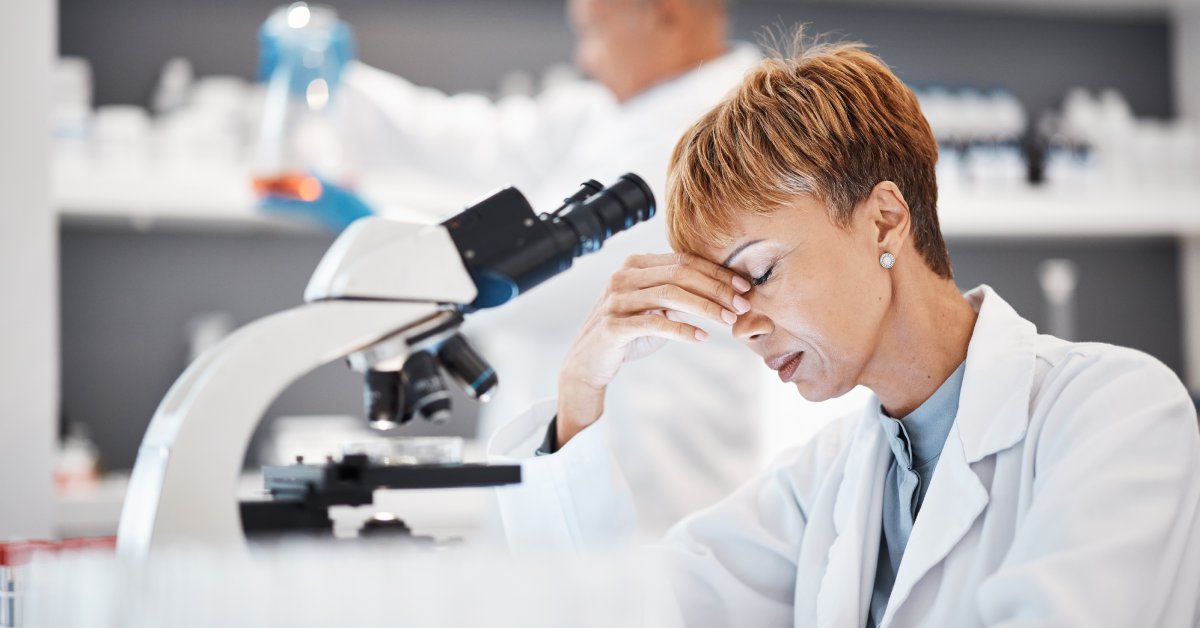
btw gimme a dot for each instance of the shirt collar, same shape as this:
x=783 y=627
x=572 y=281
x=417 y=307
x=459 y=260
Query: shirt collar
x=925 y=429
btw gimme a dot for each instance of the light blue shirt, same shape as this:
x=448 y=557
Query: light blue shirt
x=916 y=442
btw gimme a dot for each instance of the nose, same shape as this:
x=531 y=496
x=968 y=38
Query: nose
x=753 y=326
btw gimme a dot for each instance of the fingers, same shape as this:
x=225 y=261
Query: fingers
x=647 y=260
x=717 y=289
x=629 y=328
x=671 y=297
x=687 y=260
x=678 y=282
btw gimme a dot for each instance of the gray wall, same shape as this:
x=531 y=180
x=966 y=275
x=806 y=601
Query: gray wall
x=1128 y=290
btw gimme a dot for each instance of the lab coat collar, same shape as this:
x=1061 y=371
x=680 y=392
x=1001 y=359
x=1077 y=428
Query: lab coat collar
x=993 y=414
x=857 y=518
x=955 y=500
x=993 y=411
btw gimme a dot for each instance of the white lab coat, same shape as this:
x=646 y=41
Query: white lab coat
x=1067 y=494
x=547 y=146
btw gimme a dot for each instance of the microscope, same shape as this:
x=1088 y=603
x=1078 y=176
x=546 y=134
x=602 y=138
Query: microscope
x=388 y=297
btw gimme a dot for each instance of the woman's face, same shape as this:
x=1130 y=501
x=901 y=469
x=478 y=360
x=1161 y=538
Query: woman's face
x=820 y=296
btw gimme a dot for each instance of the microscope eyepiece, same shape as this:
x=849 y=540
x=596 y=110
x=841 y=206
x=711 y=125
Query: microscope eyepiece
x=508 y=249
x=608 y=212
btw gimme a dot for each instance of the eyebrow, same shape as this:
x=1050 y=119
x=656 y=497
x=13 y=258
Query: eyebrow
x=739 y=249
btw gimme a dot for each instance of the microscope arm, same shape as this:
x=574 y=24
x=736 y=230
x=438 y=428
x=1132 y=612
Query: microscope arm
x=184 y=482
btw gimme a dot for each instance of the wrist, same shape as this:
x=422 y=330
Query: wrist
x=579 y=405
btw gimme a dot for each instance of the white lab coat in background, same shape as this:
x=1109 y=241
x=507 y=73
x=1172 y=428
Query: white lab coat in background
x=683 y=451
x=1067 y=494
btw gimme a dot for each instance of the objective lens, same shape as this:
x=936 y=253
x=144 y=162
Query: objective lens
x=426 y=388
x=383 y=400
x=468 y=367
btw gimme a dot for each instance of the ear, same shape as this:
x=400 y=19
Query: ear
x=889 y=213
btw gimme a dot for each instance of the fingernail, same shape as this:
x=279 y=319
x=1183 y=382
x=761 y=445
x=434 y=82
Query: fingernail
x=741 y=284
x=740 y=304
x=729 y=317
x=701 y=335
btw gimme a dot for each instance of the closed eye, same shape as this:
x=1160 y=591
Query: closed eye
x=761 y=279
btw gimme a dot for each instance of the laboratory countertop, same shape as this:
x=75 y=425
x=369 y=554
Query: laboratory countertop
x=222 y=200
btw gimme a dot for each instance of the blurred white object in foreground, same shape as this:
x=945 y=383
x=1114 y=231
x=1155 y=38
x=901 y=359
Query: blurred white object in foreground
x=338 y=584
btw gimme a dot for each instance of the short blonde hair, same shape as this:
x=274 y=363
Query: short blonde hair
x=830 y=120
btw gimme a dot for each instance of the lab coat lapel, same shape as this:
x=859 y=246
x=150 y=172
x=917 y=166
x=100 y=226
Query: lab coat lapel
x=955 y=499
x=992 y=416
x=857 y=515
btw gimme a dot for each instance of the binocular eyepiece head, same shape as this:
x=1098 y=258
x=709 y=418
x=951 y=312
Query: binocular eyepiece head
x=509 y=249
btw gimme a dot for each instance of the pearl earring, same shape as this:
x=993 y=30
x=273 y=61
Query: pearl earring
x=887 y=260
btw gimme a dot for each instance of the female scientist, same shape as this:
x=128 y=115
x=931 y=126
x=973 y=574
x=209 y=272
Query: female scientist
x=997 y=477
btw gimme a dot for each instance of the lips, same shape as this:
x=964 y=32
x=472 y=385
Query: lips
x=786 y=364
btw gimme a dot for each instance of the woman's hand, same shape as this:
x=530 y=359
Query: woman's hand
x=637 y=314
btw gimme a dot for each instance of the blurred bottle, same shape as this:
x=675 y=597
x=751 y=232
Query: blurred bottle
x=174 y=86
x=203 y=124
x=1000 y=154
x=1095 y=140
x=979 y=135
x=72 y=113
x=206 y=330
x=303 y=51
x=78 y=462
x=939 y=108
x=121 y=139
x=995 y=123
x=299 y=168
x=1069 y=157
x=1058 y=279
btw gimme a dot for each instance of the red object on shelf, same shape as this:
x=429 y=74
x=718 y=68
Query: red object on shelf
x=294 y=185
x=17 y=553
x=88 y=543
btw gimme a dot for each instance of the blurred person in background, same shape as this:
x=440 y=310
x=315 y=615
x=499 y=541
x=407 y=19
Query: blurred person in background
x=654 y=67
